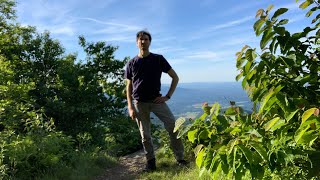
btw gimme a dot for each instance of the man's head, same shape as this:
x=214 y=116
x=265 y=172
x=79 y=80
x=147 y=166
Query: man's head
x=143 y=40
x=142 y=33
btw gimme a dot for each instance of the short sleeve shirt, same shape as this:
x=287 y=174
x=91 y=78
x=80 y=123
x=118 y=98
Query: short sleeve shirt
x=145 y=74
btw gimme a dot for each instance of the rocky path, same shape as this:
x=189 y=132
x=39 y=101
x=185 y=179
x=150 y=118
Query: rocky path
x=128 y=169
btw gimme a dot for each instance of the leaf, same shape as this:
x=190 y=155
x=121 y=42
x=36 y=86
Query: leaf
x=244 y=48
x=203 y=135
x=311 y=11
x=179 y=122
x=249 y=55
x=199 y=158
x=203 y=116
x=257 y=26
x=259 y=13
x=260 y=149
x=234 y=159
x=268 y=96
x=272 y=44
x=231 y=145
x=307 y=114
x=315 y=19
x=305 y=4
x=239 y=76
x=247 y=153
x=283 y=22
x=279 y=12
x=247 y=67
x=192 y=135
x=215 y=109
x=185 y=130
x=278 y=125
x=282 y=101
x=289 y=115
x=207 y=162
x=266 y=37
x=214 y=164
x=271 y=123
x=269 y=7
x=279 y=30
x=197 y=149
x=254 y=133
x=308 y=138
x=299 y=133
x=224 y=163
x=217 y=173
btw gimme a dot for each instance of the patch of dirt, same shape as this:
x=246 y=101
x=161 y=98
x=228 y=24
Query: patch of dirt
x=130 y=166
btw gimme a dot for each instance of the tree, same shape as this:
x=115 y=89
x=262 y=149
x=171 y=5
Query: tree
x=282 y=134
x=79 y=96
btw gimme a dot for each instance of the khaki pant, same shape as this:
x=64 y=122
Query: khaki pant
x=163 y=112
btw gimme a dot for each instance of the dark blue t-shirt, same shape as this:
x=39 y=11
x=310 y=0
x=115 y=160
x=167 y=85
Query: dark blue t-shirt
x=145 y=74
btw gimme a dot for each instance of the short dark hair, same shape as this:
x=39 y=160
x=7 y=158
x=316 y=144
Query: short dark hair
x=142 y=33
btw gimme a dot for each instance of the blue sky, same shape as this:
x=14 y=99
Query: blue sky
x=199 y=38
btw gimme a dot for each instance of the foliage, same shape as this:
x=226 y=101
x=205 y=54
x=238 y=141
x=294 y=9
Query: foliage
x=287 y=85
x=37 y=76
x=283 y=130
x=54 y=107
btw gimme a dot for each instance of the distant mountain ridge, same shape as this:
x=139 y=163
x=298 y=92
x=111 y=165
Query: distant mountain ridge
x=188 y=97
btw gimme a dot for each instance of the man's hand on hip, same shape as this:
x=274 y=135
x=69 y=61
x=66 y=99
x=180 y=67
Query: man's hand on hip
x=161 y=99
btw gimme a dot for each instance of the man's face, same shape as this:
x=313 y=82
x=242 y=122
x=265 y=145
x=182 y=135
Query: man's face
x=143 y=42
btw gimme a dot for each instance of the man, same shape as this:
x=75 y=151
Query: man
x=143 y=74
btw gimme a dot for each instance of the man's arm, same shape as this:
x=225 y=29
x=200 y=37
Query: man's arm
x=132 y=113
x=174 y=83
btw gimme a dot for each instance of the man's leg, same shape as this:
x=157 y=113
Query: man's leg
x=144 y=125
x=163 y=112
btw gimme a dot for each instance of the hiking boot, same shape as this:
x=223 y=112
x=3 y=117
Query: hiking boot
x=182 y=162
x=150 y=166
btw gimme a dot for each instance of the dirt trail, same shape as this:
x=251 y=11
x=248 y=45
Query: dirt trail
x=128 y=169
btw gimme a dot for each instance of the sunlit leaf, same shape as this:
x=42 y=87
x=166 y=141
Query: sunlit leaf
x=299 y=133
x=308 y=138
x=179 y=122
x=197 y=149
x=305 y=4
x=271 y=123
x=199 y=159
x=259 y=13
x=269 y=7
x=278 y=125
x=192 y=135
x=307 y=114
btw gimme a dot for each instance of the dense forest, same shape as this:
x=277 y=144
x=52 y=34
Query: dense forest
x=58 y=111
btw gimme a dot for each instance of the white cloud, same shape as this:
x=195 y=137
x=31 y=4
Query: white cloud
x=204 y=55
x=167 y=49
x=231 y=23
